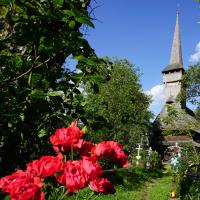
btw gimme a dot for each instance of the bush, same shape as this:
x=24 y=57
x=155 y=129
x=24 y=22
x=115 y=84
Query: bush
x=154 y=160
x=188 y=188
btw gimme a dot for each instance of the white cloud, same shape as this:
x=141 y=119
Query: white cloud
x=196 y=56
x=156 y=93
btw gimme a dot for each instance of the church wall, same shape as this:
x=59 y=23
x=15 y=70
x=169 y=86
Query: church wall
x=172 y=76
x=172 y=90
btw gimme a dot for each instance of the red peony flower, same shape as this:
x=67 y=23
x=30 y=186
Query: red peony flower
x=102 y=185
x=91 y=167
x=45 y=166
x=101 y=149
x=119 y=157
x=74 y=177
x=112 y=150
x=22 y=186
x=79 y=144
x=26 y=192
x=68 y=136
x=85 y=149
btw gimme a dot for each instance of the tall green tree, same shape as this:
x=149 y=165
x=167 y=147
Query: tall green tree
x=36 y=91
x=119 y=109
x=191 y=81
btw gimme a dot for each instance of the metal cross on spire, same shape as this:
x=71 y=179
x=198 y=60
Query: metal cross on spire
x=178 y=8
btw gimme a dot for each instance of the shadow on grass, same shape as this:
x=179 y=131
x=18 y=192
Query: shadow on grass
x=134 y=178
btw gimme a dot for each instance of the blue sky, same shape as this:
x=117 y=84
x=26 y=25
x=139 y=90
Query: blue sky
x=142 y=32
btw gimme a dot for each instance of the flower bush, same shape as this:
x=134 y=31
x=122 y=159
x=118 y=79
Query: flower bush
x=73 y=174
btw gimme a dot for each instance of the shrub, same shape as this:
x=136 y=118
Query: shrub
x=56 y=176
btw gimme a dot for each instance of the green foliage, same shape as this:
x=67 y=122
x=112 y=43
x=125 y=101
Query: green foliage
x=172 y=113
x=154 y=160
x=191 y=82
x=118 y=108
x=36 y=90
x=188 y=187
x=170 y=120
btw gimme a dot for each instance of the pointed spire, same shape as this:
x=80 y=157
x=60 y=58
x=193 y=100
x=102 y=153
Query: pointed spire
x=176 y=61
x=176 y=51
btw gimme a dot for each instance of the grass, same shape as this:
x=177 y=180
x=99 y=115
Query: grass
x=161 y=190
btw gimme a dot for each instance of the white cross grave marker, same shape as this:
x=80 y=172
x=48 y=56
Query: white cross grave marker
x=149 y=152
x=138 y=157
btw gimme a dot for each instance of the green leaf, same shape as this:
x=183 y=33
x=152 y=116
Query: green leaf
x=21 y=116
x=35 y=79
x=3 y=11
x=76 y=12
x=30 y=78
x=72 y=24
x=69 y=12
x=42 y=44
x=58 y=3
x=91 y=61
x=84 y=129
x=42 y=133
x=55 y=93
x=10 y=125
x=38 y=94
x=84 y=20
x=80 y=58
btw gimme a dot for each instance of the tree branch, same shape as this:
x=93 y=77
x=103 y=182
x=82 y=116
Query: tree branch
x=8 y=81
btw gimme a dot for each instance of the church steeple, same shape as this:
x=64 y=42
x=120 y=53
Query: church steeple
x=172 y=74
x=176 y=61
x=176 y=52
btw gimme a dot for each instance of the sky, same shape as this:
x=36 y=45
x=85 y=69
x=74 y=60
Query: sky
x=142 y=32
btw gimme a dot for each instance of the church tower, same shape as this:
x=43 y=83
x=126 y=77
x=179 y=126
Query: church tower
x=171 y=129
x=172 y=74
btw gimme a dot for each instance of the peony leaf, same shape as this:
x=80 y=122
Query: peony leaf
x=42 y=133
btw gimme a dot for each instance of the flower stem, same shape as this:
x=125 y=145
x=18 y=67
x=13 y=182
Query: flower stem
x=77 y=195
x=90 y=195
x=65 y=158
x=96 y=196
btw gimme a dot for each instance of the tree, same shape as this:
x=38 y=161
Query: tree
x=191 y=82
x=119 y=108
x=36 y=91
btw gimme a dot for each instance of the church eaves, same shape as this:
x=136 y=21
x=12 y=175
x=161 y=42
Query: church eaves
x=176 y=62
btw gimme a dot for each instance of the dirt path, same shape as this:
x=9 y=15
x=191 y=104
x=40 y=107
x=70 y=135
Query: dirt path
x=145 y=189
x=157 y=189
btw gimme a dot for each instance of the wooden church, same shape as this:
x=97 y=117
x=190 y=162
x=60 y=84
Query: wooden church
x=175 y=123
